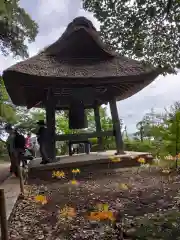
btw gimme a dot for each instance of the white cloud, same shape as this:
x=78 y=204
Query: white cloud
x=48 y=7
x=5 y=62
x=159 y=94
x=53 y=16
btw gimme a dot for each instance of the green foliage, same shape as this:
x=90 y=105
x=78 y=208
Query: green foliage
x=172 y=134
x=106 y=121
x=7 y=111
x=162 y=131
x=3 y=149
x=62 y=123
x=94 y=141
x=26 y=120
x=150 y=126
x=138 y=146
x=16 y=27
x=139 y=29
x=7 y=114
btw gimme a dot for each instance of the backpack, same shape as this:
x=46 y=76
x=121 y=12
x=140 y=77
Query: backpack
x=19 y=141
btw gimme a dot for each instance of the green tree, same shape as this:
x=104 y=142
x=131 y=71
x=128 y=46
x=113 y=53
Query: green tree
x=149 y=126
x=16 y=27
x=62 y=123
x=106 y=121
x=172 y=134
x=163 y=130
x=7 y=110
x=7 y=114
x=125 y=133
x=26 y=119
x=140 y=132
x=172 y=131
x=146 y=30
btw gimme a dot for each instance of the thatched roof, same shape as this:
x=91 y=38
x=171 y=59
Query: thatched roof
x=78 y=58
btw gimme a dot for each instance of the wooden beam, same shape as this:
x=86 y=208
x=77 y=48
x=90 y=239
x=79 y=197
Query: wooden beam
x=98 y=125
x=3 y=217
x=116 y=126
x=50 y=121
x=83 y=136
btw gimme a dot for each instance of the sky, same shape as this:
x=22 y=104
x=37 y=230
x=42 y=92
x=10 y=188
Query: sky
x=53 y=17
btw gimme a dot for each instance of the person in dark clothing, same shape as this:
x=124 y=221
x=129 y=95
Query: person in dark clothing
x=10 y=144
x=42 y=140
x=16 y=147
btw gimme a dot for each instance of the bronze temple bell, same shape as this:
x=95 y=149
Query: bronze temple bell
x=77 y=115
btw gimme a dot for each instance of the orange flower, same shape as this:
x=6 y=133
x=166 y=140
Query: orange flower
x=58 y=174
x=41 y=198
x=115 y=159
x=74 y=182
x=141 y=160
x=77 y=170
x=100 y=216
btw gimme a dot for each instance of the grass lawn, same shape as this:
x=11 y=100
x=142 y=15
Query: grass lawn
x=145 y=206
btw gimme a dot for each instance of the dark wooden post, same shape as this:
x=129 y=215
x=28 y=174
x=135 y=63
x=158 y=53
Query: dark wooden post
x=116 y=126
x=3 y=217
x=98 y=126
x=50 y=122
x=21 y=181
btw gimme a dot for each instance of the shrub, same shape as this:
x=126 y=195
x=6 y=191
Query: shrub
x=94 y=141
x=3 y=149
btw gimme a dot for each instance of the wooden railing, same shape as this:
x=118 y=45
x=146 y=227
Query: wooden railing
x=83 y=136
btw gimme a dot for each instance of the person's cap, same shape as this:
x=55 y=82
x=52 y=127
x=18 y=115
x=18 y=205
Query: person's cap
x=41 y=122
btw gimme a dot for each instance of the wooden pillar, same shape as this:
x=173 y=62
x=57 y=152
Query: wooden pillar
x=116 y=127
x=50 y=122
x=3 y=217
x=98 y=126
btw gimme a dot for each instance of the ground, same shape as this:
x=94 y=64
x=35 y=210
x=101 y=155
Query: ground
x=145 y=204
x=4 y=170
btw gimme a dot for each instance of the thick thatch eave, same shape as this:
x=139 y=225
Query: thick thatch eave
x=78 y=59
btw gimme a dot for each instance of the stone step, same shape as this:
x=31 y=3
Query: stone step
x=88 y=164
